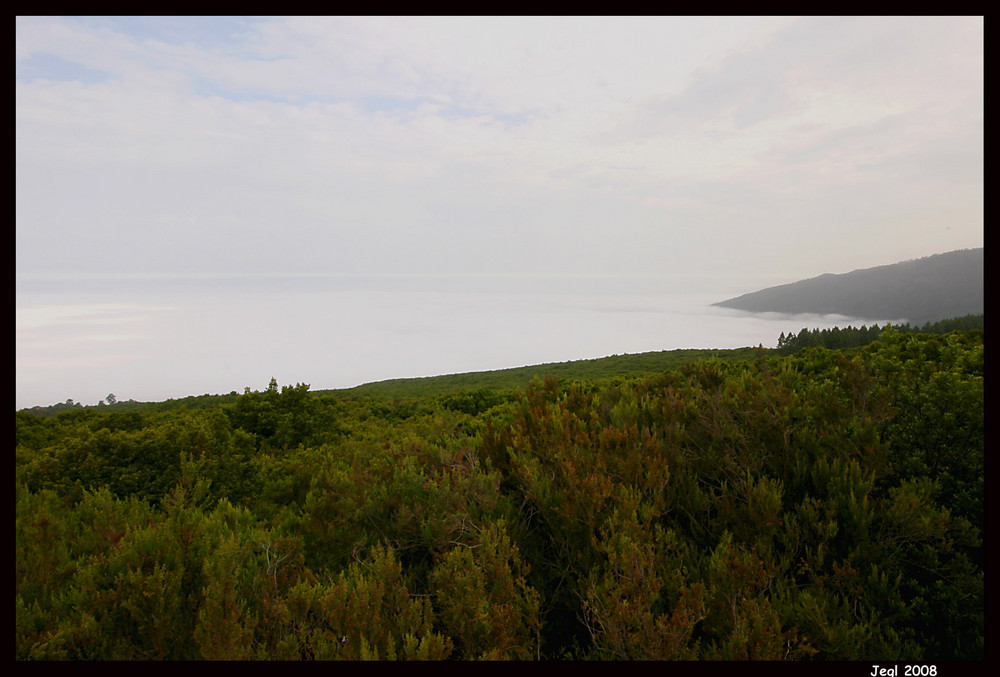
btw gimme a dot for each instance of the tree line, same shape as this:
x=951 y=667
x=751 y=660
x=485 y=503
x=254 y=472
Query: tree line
x=855 y=337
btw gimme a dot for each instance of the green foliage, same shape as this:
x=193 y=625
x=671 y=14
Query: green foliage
x=852 y=337
x=278 y=419
x=365 y=613
x=821 y=505
x=504 y=382
x=482 y=598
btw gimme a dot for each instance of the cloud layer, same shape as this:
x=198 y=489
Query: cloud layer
x=504 y=145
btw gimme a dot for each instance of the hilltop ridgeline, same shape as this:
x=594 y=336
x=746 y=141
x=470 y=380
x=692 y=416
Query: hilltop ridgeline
x=921 y=290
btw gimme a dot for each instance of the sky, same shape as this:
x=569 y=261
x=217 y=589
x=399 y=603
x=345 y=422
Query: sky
x=250 y=160
x=765 y=149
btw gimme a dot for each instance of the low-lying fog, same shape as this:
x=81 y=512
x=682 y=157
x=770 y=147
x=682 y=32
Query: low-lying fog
x=155 y=339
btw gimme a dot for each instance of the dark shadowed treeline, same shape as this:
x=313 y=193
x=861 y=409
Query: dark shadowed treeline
x=823 y=505
x=855 y=337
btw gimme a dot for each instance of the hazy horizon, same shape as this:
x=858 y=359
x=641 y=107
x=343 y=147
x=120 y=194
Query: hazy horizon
x=587 y=156
x=166 y=340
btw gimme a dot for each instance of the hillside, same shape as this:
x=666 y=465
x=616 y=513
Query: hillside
x=514 y=378
x=921 y=290
x=612 y=366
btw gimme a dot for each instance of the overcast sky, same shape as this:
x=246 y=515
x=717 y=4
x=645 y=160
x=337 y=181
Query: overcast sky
x=764 y=148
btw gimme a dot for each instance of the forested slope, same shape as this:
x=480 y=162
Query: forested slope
x=463 y=384
x=822 y=505
x=919 y=291
x=634 y=364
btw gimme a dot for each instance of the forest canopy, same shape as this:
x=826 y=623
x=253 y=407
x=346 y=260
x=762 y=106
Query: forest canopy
x=820 y=505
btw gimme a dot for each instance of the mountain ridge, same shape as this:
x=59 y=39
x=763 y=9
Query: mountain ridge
x=919 y=290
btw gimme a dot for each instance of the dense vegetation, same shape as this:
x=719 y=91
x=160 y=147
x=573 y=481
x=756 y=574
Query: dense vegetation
x=855 y=337
x=655 y=362
x=613 y=366
x=922 y=290
x=821 y=505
